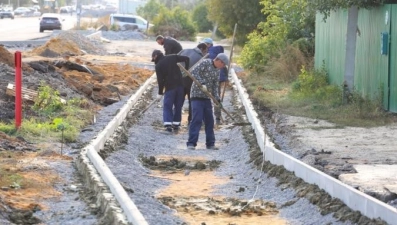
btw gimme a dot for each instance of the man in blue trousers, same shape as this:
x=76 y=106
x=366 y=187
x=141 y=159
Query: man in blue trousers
x=207 y=74
x=213 y=51
x=194 y=54
x=169 y=77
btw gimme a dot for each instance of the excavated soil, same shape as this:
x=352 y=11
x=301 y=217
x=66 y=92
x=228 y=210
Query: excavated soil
x=67 y=63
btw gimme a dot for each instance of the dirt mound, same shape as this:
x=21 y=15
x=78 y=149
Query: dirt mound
x=68 y=43
x=7 y=58
x=105 y=83
x=56 y=47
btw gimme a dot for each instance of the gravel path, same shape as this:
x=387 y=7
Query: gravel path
x=147 y=138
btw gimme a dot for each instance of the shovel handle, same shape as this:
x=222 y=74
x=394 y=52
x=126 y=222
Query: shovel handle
x=205 y=91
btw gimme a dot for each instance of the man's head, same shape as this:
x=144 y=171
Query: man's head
x=160 y=40
x=221 y=60
x=207 y=41
x=203 y=48
x=156 y=54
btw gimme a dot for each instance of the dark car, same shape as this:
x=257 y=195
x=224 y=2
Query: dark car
x=50 y=21
x=6 y=14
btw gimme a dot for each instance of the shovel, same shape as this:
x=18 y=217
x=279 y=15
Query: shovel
x=150 y=105
x=184 y=74
x=211 y=97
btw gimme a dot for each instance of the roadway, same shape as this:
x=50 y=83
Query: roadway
x=27 y=28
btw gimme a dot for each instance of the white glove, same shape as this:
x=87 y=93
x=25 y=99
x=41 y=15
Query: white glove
x=204 y=87
x=158 y=97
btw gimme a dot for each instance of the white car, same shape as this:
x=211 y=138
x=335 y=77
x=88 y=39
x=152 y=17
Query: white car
x=6 y=13
x=132 y=20
x=21 y=11
x=65 y=9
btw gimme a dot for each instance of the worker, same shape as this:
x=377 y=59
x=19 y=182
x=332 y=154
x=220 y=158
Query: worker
x=207 y=74
x=213 y=51
x=170 y=45
x=194 y=54
x=169 y=77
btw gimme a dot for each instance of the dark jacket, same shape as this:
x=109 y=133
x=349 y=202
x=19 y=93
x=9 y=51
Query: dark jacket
x=194 y=55
x=168 y=74
x=213 y=51
x=171 y=46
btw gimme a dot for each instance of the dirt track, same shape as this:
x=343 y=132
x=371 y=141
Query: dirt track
x=318 y=143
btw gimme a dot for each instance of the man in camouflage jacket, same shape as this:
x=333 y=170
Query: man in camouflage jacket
x=207 y=74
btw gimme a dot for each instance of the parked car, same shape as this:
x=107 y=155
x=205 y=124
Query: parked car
x=36 y=13
x=64 y=9
x=132 y=20
x=6 y=13
x=21 y=11
x=50 y=21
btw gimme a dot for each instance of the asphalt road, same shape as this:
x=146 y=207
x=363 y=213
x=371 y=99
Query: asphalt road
x=26 y=28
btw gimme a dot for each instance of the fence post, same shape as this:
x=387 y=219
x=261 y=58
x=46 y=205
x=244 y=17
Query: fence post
x=18 y=89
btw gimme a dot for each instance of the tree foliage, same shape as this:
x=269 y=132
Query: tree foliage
x=326 y=6
x=287 y=22
x=150 y=10
x=246 y=13
x=175 y=23
x=200 y=19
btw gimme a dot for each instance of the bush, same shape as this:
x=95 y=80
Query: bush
x=175 y=23
x=286 y=64
x=199 y=17
x=309 y=82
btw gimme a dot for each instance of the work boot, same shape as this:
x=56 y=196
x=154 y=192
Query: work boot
x=191 y=147
x=175 y=128
x=168 y=129
x=212 y=148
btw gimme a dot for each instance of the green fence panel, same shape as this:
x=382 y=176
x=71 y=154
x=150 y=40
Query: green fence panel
x=393 y=60
x=331 y=45
x=372 y=67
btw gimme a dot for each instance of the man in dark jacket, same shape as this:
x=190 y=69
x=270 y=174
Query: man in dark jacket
x=169 y=77
x=194 y=54
x=207 y=74
x=170 y=45
x=213 y=51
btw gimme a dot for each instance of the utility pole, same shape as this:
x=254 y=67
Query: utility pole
x=78 y=13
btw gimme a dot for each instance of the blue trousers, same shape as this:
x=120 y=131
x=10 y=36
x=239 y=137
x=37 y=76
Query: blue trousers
x=201 y=111
x=172 y=106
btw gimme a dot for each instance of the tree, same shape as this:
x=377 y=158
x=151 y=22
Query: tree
x=175 y=23
x=246 y=13
x=326 y=6
x=150 y=10
x=199 y=17
x=287 y=22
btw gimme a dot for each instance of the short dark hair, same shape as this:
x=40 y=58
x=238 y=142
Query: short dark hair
x=159 y=37
x=202 y=46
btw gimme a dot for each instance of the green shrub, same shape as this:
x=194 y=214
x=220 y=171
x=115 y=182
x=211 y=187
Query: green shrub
x=57 y=120
x=48 y=100
x=199 y=17
x=309 y=82
x=175 y=23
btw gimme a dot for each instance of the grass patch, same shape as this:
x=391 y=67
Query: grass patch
x=280 y=98
x=307 y=93
x=53 y=120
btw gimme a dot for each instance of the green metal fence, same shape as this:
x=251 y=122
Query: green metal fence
x=375 y=74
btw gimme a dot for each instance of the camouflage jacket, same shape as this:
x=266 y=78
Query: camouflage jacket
x=206 y=74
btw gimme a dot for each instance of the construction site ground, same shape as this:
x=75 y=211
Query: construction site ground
x=357 y=156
